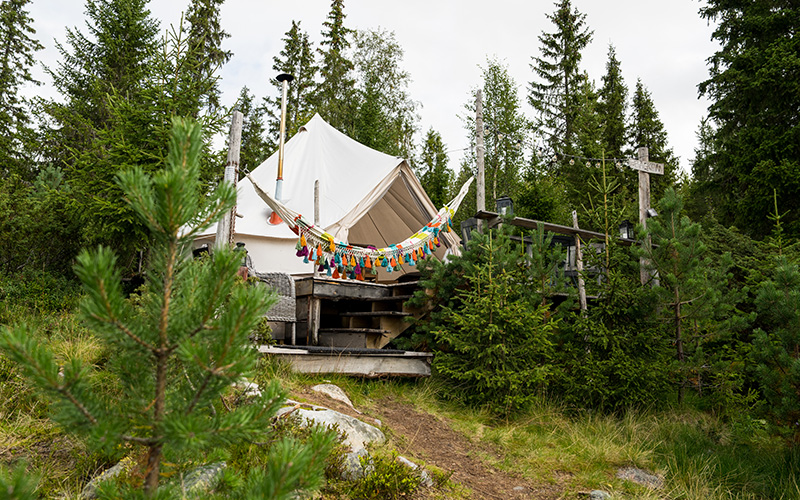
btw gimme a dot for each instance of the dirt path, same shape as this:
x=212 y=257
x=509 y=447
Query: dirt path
x=421 y=436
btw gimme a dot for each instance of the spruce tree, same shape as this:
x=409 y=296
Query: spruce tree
x=17 y=49
x=647 y=129
x=754 y=89
x=613 y=108
x=386 y=117
x=205 y=55
x=433 y=173
x=554 y=94
x=175 y=353
x=297 y=59
x=255 y=147
x=334 y=96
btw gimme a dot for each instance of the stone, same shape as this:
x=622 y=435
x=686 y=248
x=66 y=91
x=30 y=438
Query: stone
x=334 y=392
x=353 y=468
x=425 y=478
x=642 y=477
x=247 y=388
x=599 y=495
x=357 y=434
x=204 y=478
x=89 y=491
x=518 y=489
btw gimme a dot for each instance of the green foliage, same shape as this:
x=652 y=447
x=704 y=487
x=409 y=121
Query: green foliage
x=174 y=354
x=37 y=232
x=776 y=346
x=18 y=484
x=753 y=89
x=17 y=50
x=297 y=59
x=205 y=55
x=434 y=175
x=555 y=92
x=648 y=130
x=334 y=95
x=387 y=478
x=495 y=339
x=613 y=107
x=254 y=148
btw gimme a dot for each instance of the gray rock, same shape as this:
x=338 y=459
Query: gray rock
x=599 y=495
x=90 y=490
x=248 y=389
x=642 y=477
x=203 y=479
x=425 y=478
x=334 y=392
x=518 y=489
x=353 y=469
x=357 y=433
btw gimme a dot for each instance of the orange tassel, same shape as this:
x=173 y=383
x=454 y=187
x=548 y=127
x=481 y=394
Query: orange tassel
x=336 y=274
x=367 y=263
x=430 y=244
x=393 y=262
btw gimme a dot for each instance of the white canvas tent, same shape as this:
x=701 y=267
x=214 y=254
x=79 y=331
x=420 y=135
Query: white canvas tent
x=366 y=198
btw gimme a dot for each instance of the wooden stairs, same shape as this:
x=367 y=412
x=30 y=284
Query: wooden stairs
x=352 y=314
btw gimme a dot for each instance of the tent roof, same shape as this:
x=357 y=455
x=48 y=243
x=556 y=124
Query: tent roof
x=352 y=179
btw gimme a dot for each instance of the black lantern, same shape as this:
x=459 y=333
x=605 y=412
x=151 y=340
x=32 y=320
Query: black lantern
x=505 y=207
x=626 y=230
x=467 y=227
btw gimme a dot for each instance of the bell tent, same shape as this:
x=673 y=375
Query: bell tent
x=366 y=199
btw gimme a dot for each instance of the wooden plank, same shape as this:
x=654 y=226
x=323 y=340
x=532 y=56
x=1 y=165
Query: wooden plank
x=646 y=166
x=376 y=331
x=363 y=365
x=550 y=227
x=393 y=298
x=343 y=339
x=375 y=314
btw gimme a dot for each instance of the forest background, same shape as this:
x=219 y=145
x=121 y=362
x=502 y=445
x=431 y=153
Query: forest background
x=722 y=329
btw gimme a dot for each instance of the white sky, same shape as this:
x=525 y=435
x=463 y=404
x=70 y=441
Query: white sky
x=665 y=43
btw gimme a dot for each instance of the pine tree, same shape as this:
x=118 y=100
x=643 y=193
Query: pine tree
x=175 y=354
x=297 y=59
x=555 y=95
x=17 y=49
x=754 y=89
x=386 y=115
x=647 y=129
x=433 y=173
x=255 y=147
x=613 y=108
x=689 y=292
x=205 y=55
x=334 y=97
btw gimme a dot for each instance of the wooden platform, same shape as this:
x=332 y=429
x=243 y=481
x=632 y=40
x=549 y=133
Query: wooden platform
x=354 y=314
x=370 y=363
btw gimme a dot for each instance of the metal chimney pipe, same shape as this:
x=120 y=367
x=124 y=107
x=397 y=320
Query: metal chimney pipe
x=284 y=78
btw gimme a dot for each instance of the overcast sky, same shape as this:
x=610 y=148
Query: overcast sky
x=665 y=43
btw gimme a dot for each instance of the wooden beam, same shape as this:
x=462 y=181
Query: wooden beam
x=407 y=364
x=550 y=227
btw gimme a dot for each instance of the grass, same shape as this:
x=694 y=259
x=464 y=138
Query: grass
x=700 y=455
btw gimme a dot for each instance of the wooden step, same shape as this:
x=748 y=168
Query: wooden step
x=373 y=331
x=375 y=314
x=390 y=299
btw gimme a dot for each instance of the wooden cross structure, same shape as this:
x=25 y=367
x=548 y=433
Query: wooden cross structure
x=645 y=167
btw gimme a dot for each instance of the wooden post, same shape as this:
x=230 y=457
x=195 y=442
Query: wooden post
x=226 y=225
x=480 y=150
x=645 y=168
x=316 y=217
x=579 y=265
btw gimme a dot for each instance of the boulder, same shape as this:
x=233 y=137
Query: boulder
x=334 y=392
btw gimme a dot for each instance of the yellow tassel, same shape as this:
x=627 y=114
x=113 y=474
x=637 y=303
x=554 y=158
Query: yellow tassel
x=302 y=240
